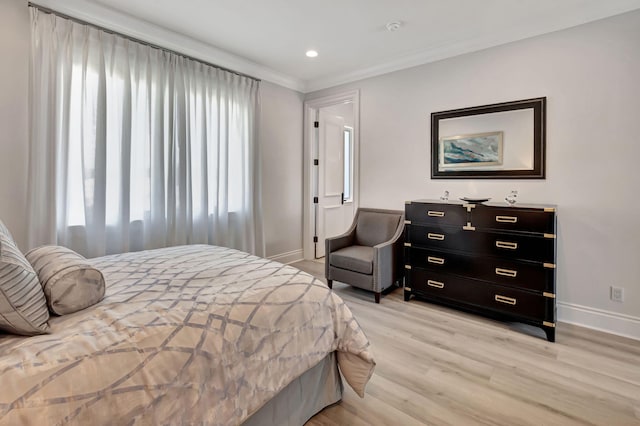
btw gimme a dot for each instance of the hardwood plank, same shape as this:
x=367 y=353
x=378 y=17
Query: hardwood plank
x=420 y=405
x=494 y=405
x=566 y=396
x=375 y=410
x=441 y=366
x=536 y=366
x=601 y=364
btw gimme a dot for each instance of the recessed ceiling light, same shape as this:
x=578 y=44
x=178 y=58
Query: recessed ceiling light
x=311 y=53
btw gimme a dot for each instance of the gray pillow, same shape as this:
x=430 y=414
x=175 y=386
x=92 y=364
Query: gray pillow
x=23 y=308
x=69 y=281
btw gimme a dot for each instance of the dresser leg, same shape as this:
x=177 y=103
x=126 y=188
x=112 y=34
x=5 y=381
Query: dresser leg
x=330 y=283
x=377 y=296
x=551 y=333
x=407 y=295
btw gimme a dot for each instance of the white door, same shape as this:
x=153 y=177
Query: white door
x=334 y=213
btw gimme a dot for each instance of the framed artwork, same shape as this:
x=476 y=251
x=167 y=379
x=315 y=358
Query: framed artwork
x=473 y=150
x=497 y=141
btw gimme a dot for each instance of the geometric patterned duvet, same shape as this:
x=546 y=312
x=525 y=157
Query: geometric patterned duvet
x=185 y=335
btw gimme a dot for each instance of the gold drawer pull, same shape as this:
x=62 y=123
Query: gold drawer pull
x=436 y=260
x=506 y=219
x=505 y=299
x=436 y=284
x=506 y=272
x=506 y=245
x=438 y=237
x=435 y=214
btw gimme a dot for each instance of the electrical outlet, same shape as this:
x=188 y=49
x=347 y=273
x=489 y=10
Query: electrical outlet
x=617 y=294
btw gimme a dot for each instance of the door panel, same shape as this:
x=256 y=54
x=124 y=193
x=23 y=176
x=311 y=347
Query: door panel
x=333 y=219
x=333 y=156
x=334 y=216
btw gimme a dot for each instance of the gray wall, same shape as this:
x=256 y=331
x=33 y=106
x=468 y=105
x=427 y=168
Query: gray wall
x=14 y=148
x=281 y=143
x=280 y=138
x=590 y=76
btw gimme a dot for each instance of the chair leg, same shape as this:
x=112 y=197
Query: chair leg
x=377 y=296
x=330 y=283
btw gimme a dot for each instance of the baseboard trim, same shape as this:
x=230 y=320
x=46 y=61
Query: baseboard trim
x=288 y=257
x=599 y=319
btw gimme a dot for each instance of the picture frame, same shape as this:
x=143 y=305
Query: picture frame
x=523 y=123
x=471 y=150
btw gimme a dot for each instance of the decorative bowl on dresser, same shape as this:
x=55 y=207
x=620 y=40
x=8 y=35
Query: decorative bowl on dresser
x=491 y=258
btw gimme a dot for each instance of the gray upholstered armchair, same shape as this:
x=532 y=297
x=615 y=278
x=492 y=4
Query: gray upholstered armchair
x=369 y=254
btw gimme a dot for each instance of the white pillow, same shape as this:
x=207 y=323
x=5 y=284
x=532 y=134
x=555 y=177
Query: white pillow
x=23 y=308
x=69 y=281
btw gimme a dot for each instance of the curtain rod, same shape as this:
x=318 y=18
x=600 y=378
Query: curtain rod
x=136 y=40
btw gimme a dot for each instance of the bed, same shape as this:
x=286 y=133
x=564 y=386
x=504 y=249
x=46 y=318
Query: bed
x=188 y=335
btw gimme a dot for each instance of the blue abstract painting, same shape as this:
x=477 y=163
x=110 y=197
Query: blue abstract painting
x=481 y=149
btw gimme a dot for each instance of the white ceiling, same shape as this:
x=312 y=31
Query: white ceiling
x=268 y=38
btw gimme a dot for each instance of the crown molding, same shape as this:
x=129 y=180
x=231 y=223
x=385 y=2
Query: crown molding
x=126 y=24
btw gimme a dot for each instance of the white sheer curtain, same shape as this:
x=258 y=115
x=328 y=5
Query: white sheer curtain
x=133 y=147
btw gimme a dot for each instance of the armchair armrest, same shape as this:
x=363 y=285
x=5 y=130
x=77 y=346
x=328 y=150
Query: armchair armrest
x=386 y=259
x=336 y=243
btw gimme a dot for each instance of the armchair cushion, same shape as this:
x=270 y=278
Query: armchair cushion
x=374 y=228
x=353 y=258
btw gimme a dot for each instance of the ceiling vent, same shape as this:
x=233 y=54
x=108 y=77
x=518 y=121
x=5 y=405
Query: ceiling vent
x=393 y=26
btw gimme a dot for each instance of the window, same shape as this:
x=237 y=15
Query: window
x=83 y=135
x=348 y=164
x=137 y=147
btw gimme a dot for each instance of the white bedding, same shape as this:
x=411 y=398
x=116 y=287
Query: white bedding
x=191 y=334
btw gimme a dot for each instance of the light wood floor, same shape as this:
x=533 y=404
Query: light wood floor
x=440 y=366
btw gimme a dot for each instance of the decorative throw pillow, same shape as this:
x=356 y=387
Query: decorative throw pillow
x=23 y=308
x=69 y=281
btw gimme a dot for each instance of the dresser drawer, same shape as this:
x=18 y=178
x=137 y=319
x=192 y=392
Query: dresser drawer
x=514 y=219
x=515 y=246
x=507 y=245
x=440 y=237
x=479 y=294
x=436 y=213
x=520 y=303
x=532 y=276
x=432 y=284
x=438 y=261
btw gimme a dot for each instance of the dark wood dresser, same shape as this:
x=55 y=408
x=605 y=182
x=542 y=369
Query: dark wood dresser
x=489 y=258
